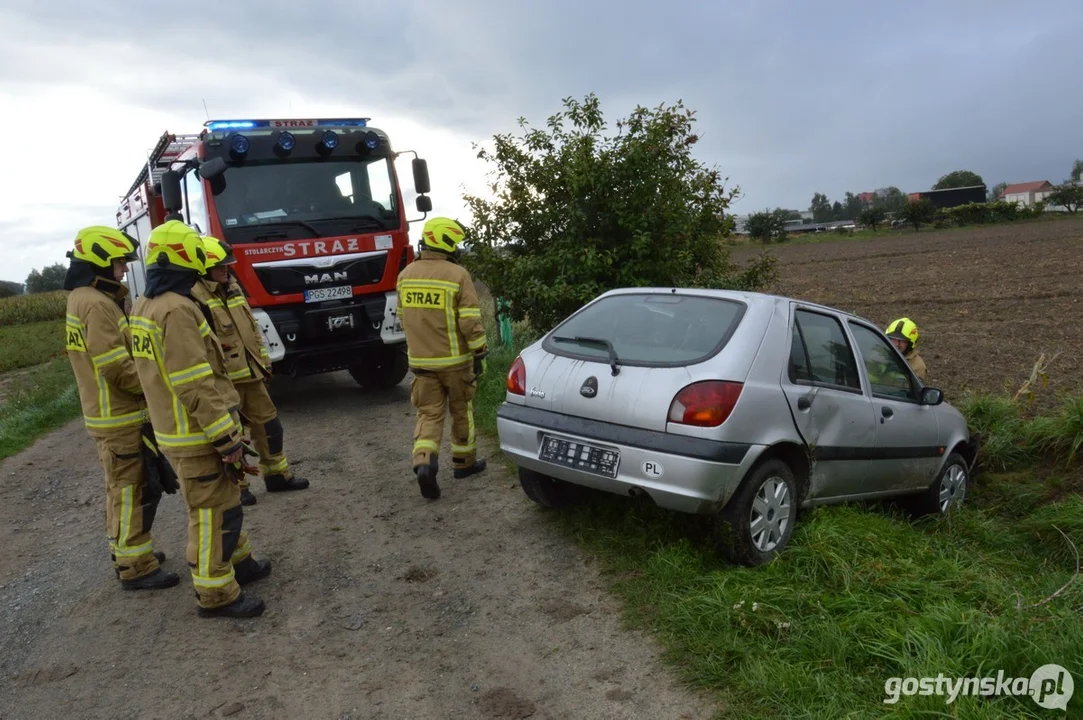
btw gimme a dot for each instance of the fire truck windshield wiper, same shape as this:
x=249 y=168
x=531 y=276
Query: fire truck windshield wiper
x=298 y=223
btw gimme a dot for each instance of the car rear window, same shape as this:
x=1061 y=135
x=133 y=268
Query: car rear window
x=650 y=329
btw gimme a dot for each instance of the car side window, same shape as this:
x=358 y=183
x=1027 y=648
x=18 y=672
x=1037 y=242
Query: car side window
x=889 y=375
x=820 y=354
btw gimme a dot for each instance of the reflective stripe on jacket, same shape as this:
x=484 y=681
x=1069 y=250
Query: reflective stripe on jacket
x=232 y=321
x=440 y=314
x=192 y=403
x=99 y=349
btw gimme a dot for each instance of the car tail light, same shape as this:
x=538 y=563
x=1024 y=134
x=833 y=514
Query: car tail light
x=517 y=377
x=705 y=404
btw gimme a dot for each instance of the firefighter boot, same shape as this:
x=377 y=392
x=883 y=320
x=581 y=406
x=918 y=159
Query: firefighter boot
x=250 y=570
x=242 y=607
x=426 y=478
x=280 y=483
x=157 y=553
x=157 y=580
x=466 y=472
x=247 y=498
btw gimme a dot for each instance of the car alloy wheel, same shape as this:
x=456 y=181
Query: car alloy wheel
x=952 y=487
x=771 y=515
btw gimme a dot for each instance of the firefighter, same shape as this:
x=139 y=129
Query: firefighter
x=114 y=412
x=192 y=408
x=446 y=345
x=903 y=334
x=248 y=365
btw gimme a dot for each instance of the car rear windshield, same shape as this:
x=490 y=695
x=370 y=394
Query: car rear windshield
x=649 y=329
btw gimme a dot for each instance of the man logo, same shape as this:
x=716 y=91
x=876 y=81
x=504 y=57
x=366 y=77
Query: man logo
x=338 y=275
x=589 y=388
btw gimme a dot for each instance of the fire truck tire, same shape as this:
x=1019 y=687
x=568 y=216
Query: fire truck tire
x=384 y=369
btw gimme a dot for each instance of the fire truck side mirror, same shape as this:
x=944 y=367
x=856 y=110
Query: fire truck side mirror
x=424 y=203
x=171 y=191
x=212 y=168
x=421 y=176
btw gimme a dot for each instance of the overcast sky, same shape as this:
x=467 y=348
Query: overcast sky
x=792 y=96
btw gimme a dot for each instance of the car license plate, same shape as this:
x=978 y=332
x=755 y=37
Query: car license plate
x=334 y=293
x=580 y=456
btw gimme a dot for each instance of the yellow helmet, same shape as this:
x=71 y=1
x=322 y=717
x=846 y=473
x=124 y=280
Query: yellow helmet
x=174 y=244
x=219 y=252
x=904 y=329
x=441 y=233
x=100 y=245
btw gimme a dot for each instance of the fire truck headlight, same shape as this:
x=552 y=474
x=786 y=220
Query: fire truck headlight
x=239 y=145
x=329 y=140
x=286 y=141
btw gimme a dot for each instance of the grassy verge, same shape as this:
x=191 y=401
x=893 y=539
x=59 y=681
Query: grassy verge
x=864 y=593
x=23 y=346
x=36 y=402
x=39 y=307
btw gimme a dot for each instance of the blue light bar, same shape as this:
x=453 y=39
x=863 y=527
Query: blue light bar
x=285 y=124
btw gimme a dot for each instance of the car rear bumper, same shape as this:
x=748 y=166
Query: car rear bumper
x=685 y=474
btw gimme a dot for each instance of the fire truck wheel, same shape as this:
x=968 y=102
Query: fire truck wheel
x=383 y=369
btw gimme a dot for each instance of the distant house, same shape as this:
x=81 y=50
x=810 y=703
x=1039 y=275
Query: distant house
x=1027 y=193
x=867 y=197
x=951 y=197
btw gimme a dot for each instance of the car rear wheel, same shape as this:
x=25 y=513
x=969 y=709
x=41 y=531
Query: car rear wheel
x=548 y=491
x=757 y=522
x=948 y=491
x=382 y=369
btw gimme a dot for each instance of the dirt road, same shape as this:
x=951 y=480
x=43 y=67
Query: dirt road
x=380 y=604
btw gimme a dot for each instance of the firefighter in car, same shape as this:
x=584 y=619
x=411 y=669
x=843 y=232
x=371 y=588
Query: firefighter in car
x=99 y=348
x=903 y=334
x=191 y=403
x=248 y=366
x=446 y=346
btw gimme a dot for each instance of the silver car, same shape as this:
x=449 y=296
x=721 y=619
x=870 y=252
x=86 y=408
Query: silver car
x=743 y=406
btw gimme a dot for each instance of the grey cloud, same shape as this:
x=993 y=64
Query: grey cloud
x=792 y=98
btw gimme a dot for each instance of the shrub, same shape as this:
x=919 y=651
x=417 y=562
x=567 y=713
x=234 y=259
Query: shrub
x=33 y=308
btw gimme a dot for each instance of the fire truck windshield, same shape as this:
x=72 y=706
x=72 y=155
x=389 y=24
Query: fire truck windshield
x=302 y=199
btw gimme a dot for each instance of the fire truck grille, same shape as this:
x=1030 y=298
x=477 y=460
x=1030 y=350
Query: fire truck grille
x=289 y=279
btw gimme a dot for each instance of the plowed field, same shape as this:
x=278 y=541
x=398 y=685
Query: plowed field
x=988 y=301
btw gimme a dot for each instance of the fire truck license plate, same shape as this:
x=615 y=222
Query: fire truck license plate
x=335 y=293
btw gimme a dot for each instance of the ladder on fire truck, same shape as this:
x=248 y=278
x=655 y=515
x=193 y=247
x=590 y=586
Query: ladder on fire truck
x=164 y=154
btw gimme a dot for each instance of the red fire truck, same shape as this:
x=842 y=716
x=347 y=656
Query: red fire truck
x=315 y=214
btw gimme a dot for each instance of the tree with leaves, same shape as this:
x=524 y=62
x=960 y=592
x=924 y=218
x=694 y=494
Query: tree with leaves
x=1077 y=171
x=996 y=191
x=1068 y=195
x=873 y=217
x=891 y=199
x=917 y=213
x=852 y=206
x=49 y=279
x=820 y=207
x=576 y=212
x=767 y=226
x=958 y=179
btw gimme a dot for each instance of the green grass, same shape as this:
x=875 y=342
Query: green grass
x=39 y=307
x=23 y=346
x=863 y=593
x=1011 y=440
x=36 y=402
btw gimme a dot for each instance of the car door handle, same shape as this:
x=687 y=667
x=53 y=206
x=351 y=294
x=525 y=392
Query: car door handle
x=803 y=403
x=887 y=412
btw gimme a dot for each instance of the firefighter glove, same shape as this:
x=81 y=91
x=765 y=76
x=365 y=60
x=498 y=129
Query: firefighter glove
x=479 y=366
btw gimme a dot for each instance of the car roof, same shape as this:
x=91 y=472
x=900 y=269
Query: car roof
x=747 y=296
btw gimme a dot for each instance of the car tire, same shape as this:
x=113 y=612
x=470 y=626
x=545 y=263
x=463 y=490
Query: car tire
x=548 y=491
x=383 y=369
x=949 y=489
x=734 y=534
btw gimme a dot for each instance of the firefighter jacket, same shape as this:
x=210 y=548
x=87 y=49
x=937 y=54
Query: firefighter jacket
x=235 y=326
x=99 y=348
x=440 y=314
x=916 y=364
x=180 y=363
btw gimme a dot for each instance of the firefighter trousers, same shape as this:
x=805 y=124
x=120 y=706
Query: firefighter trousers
x=435 y=393
x=260 y=417
x=216 y=540
x=129 y=514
